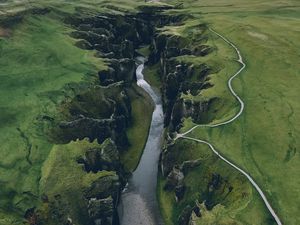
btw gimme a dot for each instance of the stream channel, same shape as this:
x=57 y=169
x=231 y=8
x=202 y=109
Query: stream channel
x=138 y=203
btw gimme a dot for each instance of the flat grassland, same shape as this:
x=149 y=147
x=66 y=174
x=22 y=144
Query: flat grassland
x=265 y=139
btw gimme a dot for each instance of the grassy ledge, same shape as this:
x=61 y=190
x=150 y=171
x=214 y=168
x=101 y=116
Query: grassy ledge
x=263 y=139
x=46 y=80
x=142 y=108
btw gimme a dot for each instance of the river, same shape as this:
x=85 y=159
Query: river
x=138 y=203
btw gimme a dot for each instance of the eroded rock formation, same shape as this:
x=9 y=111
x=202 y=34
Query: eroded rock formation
x=102 y=112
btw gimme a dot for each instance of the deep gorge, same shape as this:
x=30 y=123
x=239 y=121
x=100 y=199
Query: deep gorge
x=151 y=112
x=105 y=112
x=100 y=114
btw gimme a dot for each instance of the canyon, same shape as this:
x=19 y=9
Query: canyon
x=104 y=96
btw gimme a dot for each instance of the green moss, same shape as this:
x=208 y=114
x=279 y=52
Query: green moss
x=152 y=76
x=218 y=215
x=42 y=75
x=144 y=51
x=262 y=140
x=37 y=64
x=63 y=176
x=233 y=197
x=212 y=69
x=137 y=133
x=62 y=165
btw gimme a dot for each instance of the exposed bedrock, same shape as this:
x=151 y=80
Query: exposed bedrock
x=118 y=70
x=102 y=112
x=93 y=205
x=105 y=158
x=102 y=197
x=214 y=189
x=100 y=210
x=98 y=113
x=114 y=37
x=119 y=34
x=175 y=170
x=180 y=77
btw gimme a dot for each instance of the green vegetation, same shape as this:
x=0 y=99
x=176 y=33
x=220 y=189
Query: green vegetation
x=37 y=62
x=11 y=7
x=152 y=76
x=213 y=65
x=138 y=132
x=263 y=140
x=233 y=199
x=144 y=51
x=68 y=193
x=41 y=73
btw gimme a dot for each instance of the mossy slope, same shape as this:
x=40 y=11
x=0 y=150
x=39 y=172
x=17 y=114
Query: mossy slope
x=43 y=75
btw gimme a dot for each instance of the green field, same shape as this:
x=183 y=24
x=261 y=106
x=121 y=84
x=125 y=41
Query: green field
x=37 y=63
x=41 y=69
x=42 y=73
x=264 y=140
x=236 y=202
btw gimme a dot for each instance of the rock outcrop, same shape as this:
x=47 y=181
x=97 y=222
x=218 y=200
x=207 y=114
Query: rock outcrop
x=105 y=158
x=101 y=211
x=102 y=111
x=178 y=78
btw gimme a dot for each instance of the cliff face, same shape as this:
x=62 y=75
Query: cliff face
x=116 y=38
x=193 y=182
x=182 y=77
x=101 y=113
x=83 y=176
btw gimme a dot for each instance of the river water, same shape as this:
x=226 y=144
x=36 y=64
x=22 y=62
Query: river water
x=138 y=203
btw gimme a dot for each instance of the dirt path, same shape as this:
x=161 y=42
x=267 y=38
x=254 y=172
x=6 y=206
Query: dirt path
x=242 y=105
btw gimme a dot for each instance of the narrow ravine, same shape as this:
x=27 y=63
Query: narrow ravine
x=138 y=203
x=242 y=104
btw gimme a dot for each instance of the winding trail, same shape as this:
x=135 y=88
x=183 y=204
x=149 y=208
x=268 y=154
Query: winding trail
x=242 y=105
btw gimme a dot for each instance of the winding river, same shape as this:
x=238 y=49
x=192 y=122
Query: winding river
x=138 y=203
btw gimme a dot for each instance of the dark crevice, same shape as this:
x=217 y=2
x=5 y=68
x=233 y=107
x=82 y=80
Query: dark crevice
x=28 y=145
x=102 y=111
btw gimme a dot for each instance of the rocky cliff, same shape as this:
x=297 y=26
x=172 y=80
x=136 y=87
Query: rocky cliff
x=98 y=113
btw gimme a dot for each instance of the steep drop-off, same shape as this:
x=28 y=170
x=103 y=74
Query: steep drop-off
x=96 y=134
x=89 y=128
